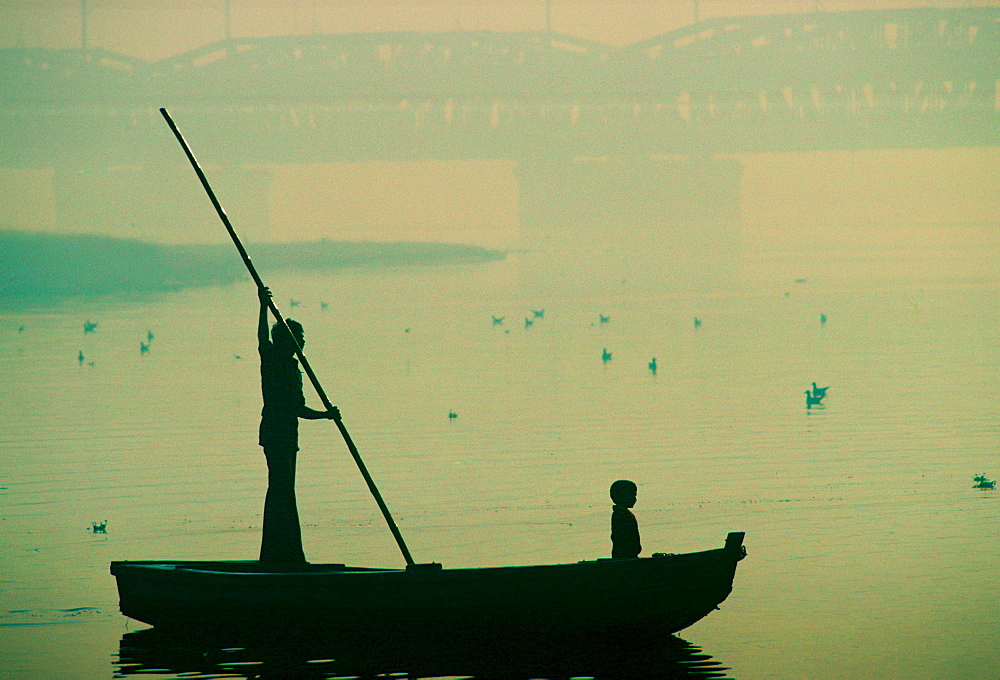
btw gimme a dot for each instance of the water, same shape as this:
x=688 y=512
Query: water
x=870 y=554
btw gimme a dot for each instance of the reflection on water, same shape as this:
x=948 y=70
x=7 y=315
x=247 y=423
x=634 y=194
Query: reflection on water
x=642 y=654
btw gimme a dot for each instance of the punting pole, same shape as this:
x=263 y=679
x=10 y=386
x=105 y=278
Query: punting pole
x=298 y=350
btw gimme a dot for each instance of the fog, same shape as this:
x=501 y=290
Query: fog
x=470 y=200
x=537 y=247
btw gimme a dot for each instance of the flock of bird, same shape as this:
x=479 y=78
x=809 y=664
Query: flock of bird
x=814 y=396
x=91 y=327
x=982 y=483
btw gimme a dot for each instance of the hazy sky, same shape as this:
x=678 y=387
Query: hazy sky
x=154 y=29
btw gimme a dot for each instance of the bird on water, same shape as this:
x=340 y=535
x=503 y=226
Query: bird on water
x=813 y=400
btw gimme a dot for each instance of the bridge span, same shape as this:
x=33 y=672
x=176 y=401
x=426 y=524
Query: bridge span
x=919 y=78
x=846 y=80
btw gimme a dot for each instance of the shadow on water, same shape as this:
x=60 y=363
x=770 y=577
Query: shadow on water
x=645 y=655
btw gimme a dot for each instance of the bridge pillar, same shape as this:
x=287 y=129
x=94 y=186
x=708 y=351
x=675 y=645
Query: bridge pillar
x=628 y=223
x=161 y=203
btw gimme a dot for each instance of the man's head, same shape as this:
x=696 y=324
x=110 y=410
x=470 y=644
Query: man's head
x=281 y=339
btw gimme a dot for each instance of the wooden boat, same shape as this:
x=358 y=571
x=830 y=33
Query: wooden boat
x=669 y=592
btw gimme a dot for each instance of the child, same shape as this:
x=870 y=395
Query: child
x=624 y=528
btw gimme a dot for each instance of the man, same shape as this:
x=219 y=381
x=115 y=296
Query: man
x=284 y=404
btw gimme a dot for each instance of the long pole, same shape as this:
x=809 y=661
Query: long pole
x=298 y=350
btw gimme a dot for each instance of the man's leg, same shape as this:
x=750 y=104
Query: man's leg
x=282 y=536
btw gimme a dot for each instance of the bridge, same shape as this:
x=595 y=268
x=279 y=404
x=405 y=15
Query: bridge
x=918 y=78
x=847 y=80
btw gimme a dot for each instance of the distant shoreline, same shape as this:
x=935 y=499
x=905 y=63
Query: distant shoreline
x=42 y=264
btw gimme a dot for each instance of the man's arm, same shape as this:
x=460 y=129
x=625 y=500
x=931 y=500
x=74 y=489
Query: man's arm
x=264 y=295
x=312 y=414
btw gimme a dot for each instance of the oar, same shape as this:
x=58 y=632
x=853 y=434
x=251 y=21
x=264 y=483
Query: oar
x=298 y=350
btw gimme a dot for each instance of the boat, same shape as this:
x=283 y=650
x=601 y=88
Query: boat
x=669 y=592
x=663 y=592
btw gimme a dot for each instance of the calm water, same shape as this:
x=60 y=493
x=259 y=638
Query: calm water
x=870 y=554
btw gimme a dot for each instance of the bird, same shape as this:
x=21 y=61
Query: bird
x=497 y=320
x=452 y=414
x=697 y=322
x=652 y=365
x=604 y=319
x=819 y=392
x=822 y=319
x=605 y=355
x=813 y=401
x=80 y=357
x=294 y=303
x=143 y=347
x=323 y=305
x=538 y=313
x=528 y=322
x=982 y=483
x=150 y=336
x=89 y=326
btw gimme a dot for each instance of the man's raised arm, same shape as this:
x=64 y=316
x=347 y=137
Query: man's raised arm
x=264 y=295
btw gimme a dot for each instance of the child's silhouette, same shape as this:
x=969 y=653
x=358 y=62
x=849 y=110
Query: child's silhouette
x=624 y=528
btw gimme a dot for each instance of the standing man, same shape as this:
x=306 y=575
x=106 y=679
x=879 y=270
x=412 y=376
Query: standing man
x=284 y=404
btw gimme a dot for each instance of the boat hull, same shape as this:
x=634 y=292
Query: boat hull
x=669 y=591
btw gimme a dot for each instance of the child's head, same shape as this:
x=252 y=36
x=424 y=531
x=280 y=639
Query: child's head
x=281 y=339
x=623 y=492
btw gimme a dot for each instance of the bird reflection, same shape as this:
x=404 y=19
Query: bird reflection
x=812 y=400
x=632 y=655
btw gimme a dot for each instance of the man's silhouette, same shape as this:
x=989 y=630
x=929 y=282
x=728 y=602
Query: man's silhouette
x=284 y=404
